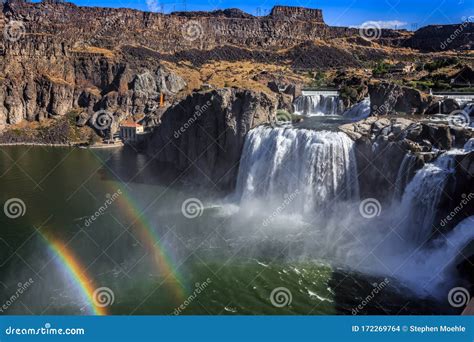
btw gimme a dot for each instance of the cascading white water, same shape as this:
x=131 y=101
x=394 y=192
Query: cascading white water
x=314 y=105
x=279 y=162
x=469 y=110
x=404 y=174
x=302 y=186
x=358 y=111
x=469 y=146
x=431 y=270
x=422 y=196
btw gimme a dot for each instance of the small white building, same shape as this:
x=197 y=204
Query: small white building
x=130 y=131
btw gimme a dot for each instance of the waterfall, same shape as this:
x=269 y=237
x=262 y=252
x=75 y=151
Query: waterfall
x=358 y=111
x=432 y=270
x=469 y=146
x=422 y=197
x=302 y=186
x=312 y=105
x=404 y=175
x=312 y=167
x=469 y=109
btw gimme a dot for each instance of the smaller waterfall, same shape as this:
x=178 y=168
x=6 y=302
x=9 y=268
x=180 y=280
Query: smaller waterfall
x=405 y=174
x=433 y=269
x=317 y=166
x=358 y=111
x=422 y=196
x=469 y=146
x=469 y=109
x=314 y=105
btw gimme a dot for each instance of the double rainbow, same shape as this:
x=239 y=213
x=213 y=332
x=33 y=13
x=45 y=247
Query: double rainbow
x=148 y=237
x=152 y=242
x=137 y=218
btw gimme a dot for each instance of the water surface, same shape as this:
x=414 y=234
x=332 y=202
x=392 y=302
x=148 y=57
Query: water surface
x=151 y=256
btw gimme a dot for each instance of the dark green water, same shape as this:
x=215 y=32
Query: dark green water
x=240 y=267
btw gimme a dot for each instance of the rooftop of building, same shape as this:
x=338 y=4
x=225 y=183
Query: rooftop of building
x=130 y=124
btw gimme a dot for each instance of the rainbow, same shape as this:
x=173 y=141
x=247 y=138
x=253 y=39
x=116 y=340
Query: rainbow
x=151 y=240
x=148 y=235
x=76 y=272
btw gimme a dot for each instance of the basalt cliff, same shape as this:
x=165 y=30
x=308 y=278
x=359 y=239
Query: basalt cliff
x=57 y=58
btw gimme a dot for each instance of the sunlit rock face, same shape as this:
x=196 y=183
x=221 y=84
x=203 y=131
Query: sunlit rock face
x=46 y=78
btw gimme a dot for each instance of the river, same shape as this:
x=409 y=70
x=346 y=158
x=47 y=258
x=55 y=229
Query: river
x=158 y=245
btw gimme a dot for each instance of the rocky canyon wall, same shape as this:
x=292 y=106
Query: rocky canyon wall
x=56 y=56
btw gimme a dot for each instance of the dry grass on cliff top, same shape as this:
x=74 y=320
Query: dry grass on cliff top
x=231 y=74
x=94 y=50
x=37 y=131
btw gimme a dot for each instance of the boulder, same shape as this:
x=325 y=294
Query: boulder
x=438 y=134
x=445 y=106
x=390 y=99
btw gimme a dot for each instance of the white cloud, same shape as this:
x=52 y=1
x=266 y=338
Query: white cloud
x=387 y=24
x=153 y=5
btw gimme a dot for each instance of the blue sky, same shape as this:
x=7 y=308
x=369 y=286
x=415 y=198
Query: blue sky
x=403 y=13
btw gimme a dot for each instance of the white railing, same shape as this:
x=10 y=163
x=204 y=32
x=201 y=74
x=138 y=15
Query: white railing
x=462 y=97
x=320 y=92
